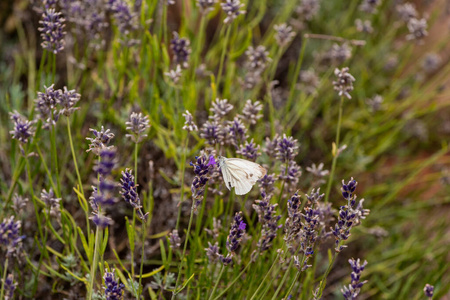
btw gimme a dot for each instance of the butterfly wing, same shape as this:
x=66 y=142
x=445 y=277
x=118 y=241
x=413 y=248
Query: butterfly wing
x=241 y=174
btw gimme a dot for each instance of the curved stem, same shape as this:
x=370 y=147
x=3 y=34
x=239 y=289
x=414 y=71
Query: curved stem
x=217 y=282
x=74 y=156
x=222 y=56
x=180 y=267
x=295 y=278
x=265 y=277
x=280 y=285
x=98 y=233
x=142 y=259
x=324 y=279
x=336 y=151
x=183 y=168
x=5 y=270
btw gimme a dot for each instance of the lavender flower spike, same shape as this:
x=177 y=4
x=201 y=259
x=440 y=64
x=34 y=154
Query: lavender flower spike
x=67 y=100
x=23 y=129
x=138 y=125
x=352 y=291
x=181 y=50
x=10 y=237
x=129 y=193
x=232 y=10
x=113 y=289
x=100 y=141
x=52 y=30
x=10 y=287
x=189 y=124
x=344 y=82
x=428 y=290
x=237 y=232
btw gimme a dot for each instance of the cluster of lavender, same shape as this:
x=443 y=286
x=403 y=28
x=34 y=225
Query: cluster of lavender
x=219 y=131
x=104 y=193
x=174 y=239
x=52 y=103
x=344 y=82
x=181 y=50
x=10 y=238
x=269 y=221
x=138 y=125
x=113 y=289
x=202 y=168
x=417 y=27
x=23 y=129
x=237 y=232
x=9 y=287
x=350 y=215
x=428 y=291
x=52 y=203
x=52 y=30
x=257 y=61
x=284 y=34
x=370 y=6
x=189 y=124
x=285 y=149
x=88 y=20
x=352 y=291
x=305 y=11
x=129 y=193
x=206 y=6
x=232 y=9
x=126 y=20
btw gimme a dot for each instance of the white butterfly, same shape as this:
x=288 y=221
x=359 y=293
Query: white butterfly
x=240 y=174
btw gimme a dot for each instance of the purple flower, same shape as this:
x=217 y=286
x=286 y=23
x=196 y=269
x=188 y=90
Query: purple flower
x=291 y=174
x=212 y=133
x=174 y=239
x=206 y=6
x=349 y=214
x=107 y=161
x=101 y=220
x=353 y=289
x=125 y=19
x=344 y=82
x=269 y=220
x=251 y=111
x=189 y=124
x=46 y=105
x=237 y=232
x=286 y=149
x=52 y=30
x=212 y=252
x=417 y=29
x=202 y=168
x=232 y=9
x=257 y=59
x=138 y=125
x=67 y=99
x=10 y=238
x=129 y=193
x=181 y=50
x=237 y=131
x=220 y=108
x=10 y=287
x=428 y=290
x=52 y=202
x=23 y=129
x=100 y=141
x=212 y=161
x=113 y=289
x=249 y=150
x=284 y=34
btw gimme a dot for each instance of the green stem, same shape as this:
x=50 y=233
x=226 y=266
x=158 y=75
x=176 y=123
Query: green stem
x=222 y=56
x=280 y=285
x=336 y=151
x=98 y=234
x=324 y=279
x=298 y=67
x=180 y=267
x=198 y=50
x=136 y=163
x=55 y=158
x=217 y=282
x=74 y=157
x=233 y=282
x=265 y=277
x=49 y=174
x=5 y=270
x=143 y=227
x=183 y=167
x=295 y=278
x=53 y=67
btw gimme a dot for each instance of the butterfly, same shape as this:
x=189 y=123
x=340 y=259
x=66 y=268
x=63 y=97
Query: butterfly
x=240 y=174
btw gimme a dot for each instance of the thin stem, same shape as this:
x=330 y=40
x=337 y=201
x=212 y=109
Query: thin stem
x=180 y=267
x=233 y=282
x=198 y=48
x=5 y=270
x=336 y=150
x=74 y=157
x=143 y=227
x=136 y=163
x=98 y=234
x=55 y=158
x=183 y=167
x=53 y=67
x=295 y=278
x=222 y=56
x=322 y=282
x=280 y=285
x=298 y=67
x=265 y=277
x=217 y=282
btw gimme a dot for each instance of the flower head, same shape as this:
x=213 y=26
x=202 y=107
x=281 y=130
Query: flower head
x=232 y=9
x=284 y=34
x=129 y=192
x=113 y=289
x=220 y=108
x=181 y=50
x=237 y=232
x=138 y=125
x=100 y=141
x=344 y=82
x=67 y=99
x=10 y=238
x=252 y=111
x=206 y=6
x=286 y=149
x=189 y=124
x=52 y=30
x=52 y=202
x=46 y=105
x=417 y=29
x=249 y=150
x=174 y=239
x=370 y=6
x=428 y=290
x=9 y=287
x=352 y=291
x=23 y=129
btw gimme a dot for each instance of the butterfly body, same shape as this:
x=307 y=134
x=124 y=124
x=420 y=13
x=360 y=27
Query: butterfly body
x=240 y=174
